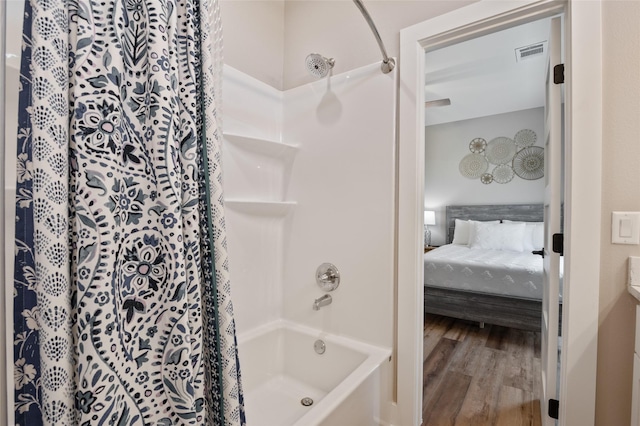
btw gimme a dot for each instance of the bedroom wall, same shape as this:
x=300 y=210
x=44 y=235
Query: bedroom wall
x=447 y=144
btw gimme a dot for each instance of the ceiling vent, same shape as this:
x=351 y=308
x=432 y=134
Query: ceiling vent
x=531 y=51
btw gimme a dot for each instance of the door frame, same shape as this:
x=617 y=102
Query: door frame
x=582 y=168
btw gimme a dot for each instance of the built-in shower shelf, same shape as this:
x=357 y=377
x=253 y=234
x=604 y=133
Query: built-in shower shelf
x=261 y=208
x=262 y=146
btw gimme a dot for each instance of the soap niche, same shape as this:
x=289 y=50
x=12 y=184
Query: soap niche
x=256 y=170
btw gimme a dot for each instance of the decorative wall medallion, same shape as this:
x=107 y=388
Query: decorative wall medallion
x=511 y=157
x=502 y=173
x=525 y=138
x=500 y=150
x=529 y=163
x=486 y=178
x=477 y=145
x=472 y=166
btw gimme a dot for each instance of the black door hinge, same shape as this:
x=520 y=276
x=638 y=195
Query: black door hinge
x=554 y=408
x=558 y=74
x=558 y=244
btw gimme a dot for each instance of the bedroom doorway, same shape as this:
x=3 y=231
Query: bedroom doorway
x=484 y=119
x=582 y=199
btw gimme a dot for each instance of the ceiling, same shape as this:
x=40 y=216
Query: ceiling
x=482 y=77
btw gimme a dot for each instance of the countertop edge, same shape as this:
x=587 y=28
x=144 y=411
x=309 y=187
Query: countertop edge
x=634 y=277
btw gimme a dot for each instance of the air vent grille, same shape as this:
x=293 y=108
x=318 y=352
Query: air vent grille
x=531 y=51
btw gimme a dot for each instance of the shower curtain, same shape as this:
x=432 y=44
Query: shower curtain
x=122 y=308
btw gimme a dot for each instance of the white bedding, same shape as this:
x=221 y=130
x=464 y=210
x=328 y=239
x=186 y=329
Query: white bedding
x=499 y=272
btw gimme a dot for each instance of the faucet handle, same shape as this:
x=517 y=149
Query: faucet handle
x=327 y=277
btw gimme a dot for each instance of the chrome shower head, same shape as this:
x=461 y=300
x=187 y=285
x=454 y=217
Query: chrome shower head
x=319 y=66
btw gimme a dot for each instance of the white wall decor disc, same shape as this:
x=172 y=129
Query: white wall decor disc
x=472 y=166
x=529 y=163
x=502 y=173
x=500 y=150
x=477 y=145
x=486 y=178
x=525 y=138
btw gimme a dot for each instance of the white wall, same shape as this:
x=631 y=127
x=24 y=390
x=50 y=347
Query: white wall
x=270 y=39
x=337 y=29
x=342 y=180
x=447 y=144
x=620 y=183
x=253 y=32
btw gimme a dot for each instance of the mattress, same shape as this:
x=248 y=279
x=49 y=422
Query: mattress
x=500 y=272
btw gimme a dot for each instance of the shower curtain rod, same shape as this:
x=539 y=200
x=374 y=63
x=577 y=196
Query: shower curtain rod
x=387 y=63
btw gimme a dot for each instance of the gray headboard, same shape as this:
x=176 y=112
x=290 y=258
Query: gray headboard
x=519 y=212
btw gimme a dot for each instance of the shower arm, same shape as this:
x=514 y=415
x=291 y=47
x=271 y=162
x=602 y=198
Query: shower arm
x=387 y=63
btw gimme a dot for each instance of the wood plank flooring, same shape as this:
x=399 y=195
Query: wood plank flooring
x=479 y=376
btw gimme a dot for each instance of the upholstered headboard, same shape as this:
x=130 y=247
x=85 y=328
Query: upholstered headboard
x=518 y=212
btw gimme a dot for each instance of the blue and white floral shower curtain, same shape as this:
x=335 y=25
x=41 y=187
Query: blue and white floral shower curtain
x=122 y=309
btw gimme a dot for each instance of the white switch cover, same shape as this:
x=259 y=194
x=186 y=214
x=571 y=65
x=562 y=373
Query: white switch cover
x=625 y=228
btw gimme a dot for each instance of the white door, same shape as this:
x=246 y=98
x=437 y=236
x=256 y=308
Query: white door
x=552 y=217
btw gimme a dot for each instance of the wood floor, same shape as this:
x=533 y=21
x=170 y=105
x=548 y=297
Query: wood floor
x=479 y=376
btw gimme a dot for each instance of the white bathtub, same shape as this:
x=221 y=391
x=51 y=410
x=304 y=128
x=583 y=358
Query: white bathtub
x=280 y=367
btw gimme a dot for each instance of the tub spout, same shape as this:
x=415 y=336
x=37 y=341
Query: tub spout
x=322 y=301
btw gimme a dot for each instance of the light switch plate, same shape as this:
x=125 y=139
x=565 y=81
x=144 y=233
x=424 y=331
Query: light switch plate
x=625 y=228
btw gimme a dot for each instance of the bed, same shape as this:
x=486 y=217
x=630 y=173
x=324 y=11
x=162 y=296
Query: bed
x=485 y=282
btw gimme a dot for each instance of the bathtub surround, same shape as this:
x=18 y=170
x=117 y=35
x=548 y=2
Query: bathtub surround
x=318 y=203
x=326 y=193
x=255 y=177
x=142 y=329
x=341 y=176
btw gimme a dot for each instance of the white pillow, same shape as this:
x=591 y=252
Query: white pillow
x=463 y=231
x=533 y=235
x=472 y=227
x=536 y=231
x=498 y=236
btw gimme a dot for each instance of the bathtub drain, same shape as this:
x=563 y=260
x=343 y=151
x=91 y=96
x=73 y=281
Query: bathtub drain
x=306 y=401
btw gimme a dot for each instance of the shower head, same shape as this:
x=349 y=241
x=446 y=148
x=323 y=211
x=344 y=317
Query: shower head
x=319 y=66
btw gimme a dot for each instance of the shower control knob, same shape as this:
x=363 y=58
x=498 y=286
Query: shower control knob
x=328 y=277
